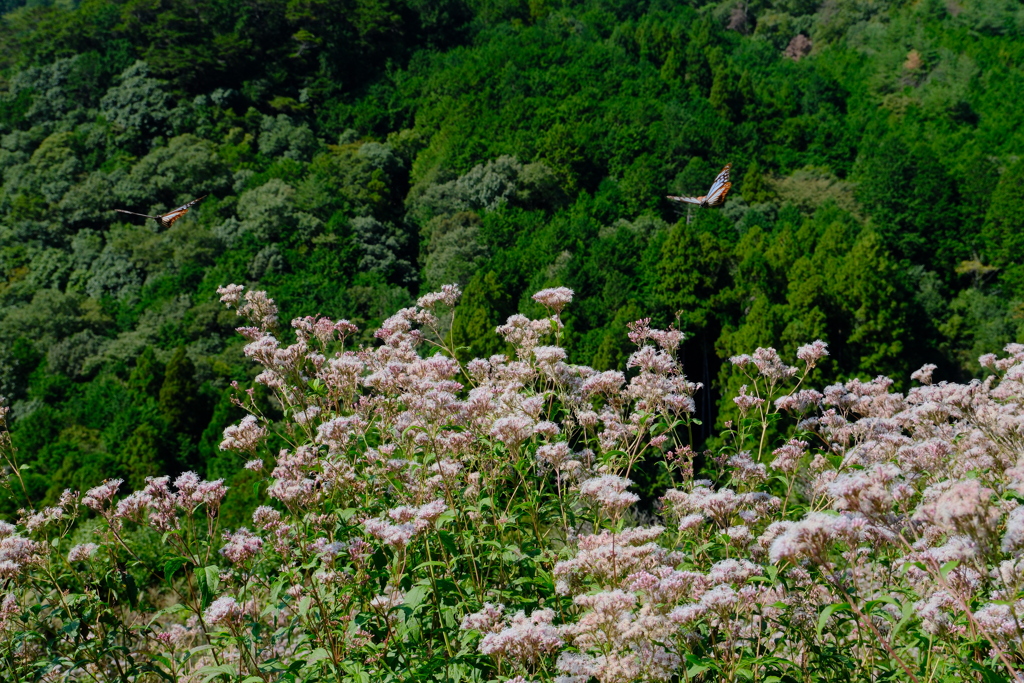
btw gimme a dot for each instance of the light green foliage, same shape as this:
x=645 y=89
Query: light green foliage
x=454 y=250
x=382 y=245
x=113 y=274
x=484 y=186
x=181 y=170
x=138 y=104
x=281 y=137
x=69 y=355
x=267 y=211
x=51 y=88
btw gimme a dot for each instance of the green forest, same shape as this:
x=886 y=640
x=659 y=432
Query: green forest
x=359 y=153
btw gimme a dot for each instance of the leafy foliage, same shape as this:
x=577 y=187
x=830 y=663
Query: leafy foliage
x=356 y=155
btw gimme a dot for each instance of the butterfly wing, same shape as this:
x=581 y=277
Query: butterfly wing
x=719 y=188
x=167 y=219
x=718 y=197
x=722 y=179
x=688 y=200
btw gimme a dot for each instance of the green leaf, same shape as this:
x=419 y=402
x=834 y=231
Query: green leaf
x=317 y=655
x=212 y=672
x=172 y=565
x=446 y=517
x=888 y=600
x=448 y=542
x=304 y=603
x=212 y=577
x=131 y=588
x=945 y=569
x=414 y=598
x=435 y=563
x=173 y=609
x=827 y=612
x=346 y=514
x=208 y=580
x=698 y=666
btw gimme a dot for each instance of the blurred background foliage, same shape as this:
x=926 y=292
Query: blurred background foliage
x=360 y=152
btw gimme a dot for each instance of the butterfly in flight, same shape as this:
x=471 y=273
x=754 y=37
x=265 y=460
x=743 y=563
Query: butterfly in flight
x=715 y=196
x=167 y=219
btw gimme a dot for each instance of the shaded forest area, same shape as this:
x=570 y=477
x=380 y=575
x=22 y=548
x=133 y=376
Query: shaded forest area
x=359 y=153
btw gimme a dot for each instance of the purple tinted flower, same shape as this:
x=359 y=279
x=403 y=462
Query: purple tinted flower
x=244 y=436
x=241 y=546
x=99 y=497
x=609 y=491
x=526 y=639
x=813 y=352
x=82 y=552
x=231 y=294
x=555 y=298
x=223 y=610
x=924 y=373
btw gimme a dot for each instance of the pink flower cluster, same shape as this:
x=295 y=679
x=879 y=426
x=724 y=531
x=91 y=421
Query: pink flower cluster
x=850 y=518
x=241 y=545
x=244 y=436
x=164 y=505
x=524 y=639
x=409 y=521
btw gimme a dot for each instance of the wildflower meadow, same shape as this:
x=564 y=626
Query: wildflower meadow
x=428 y=519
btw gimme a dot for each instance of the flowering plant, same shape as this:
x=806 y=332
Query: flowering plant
x=433 y=519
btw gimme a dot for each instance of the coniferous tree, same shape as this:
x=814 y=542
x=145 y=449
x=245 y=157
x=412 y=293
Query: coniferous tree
x=1002 y=234
x=147 y=377
x=141 y=456
x=179 y=401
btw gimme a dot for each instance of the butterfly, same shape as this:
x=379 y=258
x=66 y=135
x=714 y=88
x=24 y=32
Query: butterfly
x=715 y=196
x=167 y=219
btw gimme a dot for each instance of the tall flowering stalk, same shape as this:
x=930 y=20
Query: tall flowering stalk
x=428 y=518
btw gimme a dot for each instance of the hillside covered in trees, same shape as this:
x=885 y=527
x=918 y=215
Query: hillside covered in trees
x=359 y=153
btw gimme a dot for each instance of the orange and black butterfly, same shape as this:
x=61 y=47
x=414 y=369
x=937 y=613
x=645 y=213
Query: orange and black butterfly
x=167 y=219
x=715 y=196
